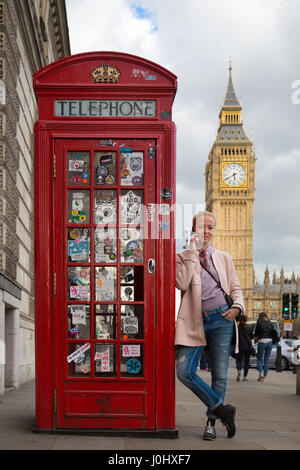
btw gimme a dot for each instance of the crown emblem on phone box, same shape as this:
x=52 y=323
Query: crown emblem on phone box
x=105 y=74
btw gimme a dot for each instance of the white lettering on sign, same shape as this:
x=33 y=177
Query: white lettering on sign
x=105 y=108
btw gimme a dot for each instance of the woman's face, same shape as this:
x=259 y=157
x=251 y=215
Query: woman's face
x=205 y=229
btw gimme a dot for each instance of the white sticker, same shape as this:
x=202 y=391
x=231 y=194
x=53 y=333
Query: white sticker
x=76 y=356
x=104 y=358
x=131 y=350
x=76 y=165
x=131 y=325
x=78 y=315
x=79 y=292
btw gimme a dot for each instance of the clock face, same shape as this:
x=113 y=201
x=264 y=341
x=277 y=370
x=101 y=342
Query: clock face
x=234 y=174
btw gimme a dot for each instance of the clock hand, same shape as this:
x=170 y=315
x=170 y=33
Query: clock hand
x=229 y=177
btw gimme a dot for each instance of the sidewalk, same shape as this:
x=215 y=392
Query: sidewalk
x=268 y=418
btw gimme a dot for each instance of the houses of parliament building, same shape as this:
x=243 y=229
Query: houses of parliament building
x=230 y=194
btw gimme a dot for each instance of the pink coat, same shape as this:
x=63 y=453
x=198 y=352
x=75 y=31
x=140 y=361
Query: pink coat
x=189 y=326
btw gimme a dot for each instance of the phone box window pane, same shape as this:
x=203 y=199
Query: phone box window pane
x=78 y=206
x=132 y=322
x=105 y=321
x=132 y=360
x=105 y=245
x=131 y=168
x=105 y=168
x=79 y=321
x=78 y=168
x=79 y=360
x=105 y=283
x=79 y=245
x=105 y=360
x=132 y=208
x=105 y=208
x=132 y=245
x=78 y=283
x=132 y=283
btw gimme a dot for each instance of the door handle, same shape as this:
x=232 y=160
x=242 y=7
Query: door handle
x=151 y=265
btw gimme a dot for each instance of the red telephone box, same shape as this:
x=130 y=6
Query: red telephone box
x=105 y=245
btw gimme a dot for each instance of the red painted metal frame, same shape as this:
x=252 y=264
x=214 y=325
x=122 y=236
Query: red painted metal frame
x=63 y=79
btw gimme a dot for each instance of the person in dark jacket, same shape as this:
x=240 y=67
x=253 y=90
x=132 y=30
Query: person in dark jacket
x=264 y=334
x=245 y=344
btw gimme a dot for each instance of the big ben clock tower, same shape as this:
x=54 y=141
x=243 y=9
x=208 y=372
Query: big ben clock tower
x=230 y=190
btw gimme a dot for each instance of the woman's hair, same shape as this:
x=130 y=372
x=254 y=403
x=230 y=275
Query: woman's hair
x=263 y=317
x=200 y=215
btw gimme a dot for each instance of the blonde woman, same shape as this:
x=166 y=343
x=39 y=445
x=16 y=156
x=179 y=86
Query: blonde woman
x=204 y=318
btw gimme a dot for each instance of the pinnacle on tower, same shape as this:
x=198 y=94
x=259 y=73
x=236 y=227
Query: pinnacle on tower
x=230 y=97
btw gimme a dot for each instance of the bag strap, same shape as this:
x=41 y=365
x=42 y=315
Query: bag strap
x=217 y=282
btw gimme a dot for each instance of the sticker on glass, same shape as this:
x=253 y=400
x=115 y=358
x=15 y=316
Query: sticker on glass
x=105 y=168
x=103 y=358
x=79 y=205
x=131 y=208
x=133 y=366
x=130 y=325
x=131 y=245
x=105 y=284
x=105 y=207
x=78 y=313
x=131 y=350
x=105 y=245
x=131 y=168
x=78 y=167
x=79 y=355
x=78 y=279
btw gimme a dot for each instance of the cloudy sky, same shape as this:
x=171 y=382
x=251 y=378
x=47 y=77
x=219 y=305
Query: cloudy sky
x=195 y=39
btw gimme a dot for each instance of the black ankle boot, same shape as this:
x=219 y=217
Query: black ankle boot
x=227 y=413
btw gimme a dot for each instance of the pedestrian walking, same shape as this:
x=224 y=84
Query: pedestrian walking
x=245 y=349
x=265 y=333
x=211 y=299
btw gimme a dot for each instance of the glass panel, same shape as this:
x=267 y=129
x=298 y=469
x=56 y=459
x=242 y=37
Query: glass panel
x=132 y=167
x=79 y=360
x=105 y=283
x=132 y=283
x=78 y=283
x=79 y=245
x=131 y=360
x=78 y=168
x=105 y=167
x=105 y=206
x=105 y=360
x=78 y=206
x=132 y=322
x=105 y=245
x=79 y=321
x=105 y=321
x=132 y=207
x=132 y=245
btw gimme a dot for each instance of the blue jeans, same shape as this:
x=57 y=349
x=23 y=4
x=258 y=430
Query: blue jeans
x=263 y=352
x=218 y=332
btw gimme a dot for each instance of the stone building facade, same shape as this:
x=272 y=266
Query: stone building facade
x=33 y=33
x=267 y=297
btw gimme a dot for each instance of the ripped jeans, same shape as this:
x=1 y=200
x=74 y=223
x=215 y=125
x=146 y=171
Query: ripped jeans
x=218 y=332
